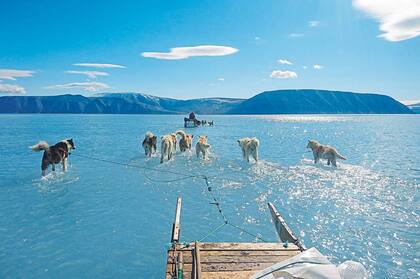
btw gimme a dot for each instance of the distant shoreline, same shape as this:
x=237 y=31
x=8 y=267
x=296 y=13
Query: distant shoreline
x=287 y=102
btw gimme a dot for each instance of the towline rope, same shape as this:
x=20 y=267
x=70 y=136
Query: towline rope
x=214 y=202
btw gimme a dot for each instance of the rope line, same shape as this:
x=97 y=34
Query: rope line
x=135 y=166
x=214 y=201
x=247 y=232
x=212 y=232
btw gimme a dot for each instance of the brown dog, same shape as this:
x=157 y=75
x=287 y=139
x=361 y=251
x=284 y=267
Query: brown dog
x=202 y=147
x=55 y=154
x=324 y=152
x=185 y=143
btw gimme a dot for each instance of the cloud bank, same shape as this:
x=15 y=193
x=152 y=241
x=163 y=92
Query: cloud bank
x=283 y=74
x=11 y=74
x=99 y=65
x=318 y=67
x=87 y=86
x=399 y=20
x=11 y=89
x=187 y=52
x=89 y=74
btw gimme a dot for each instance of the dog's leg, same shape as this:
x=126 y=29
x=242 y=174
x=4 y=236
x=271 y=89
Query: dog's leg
x=316 y=159
x=255 y=155
x=64 y=164
x=334 y=162
x=44 y=167
x=328 y=162
x=53 y=167
x=197 y=152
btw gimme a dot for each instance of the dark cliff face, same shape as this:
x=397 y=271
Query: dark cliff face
x=274 y=102
x=318 y=101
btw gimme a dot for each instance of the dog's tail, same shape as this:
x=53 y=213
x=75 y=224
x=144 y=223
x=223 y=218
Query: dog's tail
x=181 y=133
x=339 y=156
x=256 y=142
x=42 y=145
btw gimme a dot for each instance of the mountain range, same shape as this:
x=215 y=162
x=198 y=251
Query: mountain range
x=302 y=101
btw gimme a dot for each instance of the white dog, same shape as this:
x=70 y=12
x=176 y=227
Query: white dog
x=168 y=147
x=202 y=147
x=249 y=146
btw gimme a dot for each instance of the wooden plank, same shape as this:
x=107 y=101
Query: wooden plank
x=220 y=275
x=246 y=253
x=177 y=226
x=283 y=230
x=170 y=267
x=237 y=259
x=197 y=262
x=218 y=267
x=228 y=275
x=241 y=246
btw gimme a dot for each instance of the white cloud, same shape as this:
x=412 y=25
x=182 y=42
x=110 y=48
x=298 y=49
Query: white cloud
x=410 y=102
x=11 y=74
x=313 y=23
x=87 y=86
x=98 y=65
x=284 y=61
x=296 y=35
x=11 y=89
x=283 y=74
x=305 y=67
x=257 y=38
x=186 y=52
x=399 y=19
x=221 y=79
x=89 y=74
x=318 y=67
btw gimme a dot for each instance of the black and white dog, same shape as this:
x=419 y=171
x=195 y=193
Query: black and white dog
x=55 y=154
x=149 y=144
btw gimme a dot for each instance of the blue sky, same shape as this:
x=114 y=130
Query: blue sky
x=219 y=48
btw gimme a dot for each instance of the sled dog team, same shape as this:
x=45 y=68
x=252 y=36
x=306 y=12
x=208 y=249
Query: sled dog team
x=60 y=152
x=169 y=142
x=249 y=146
